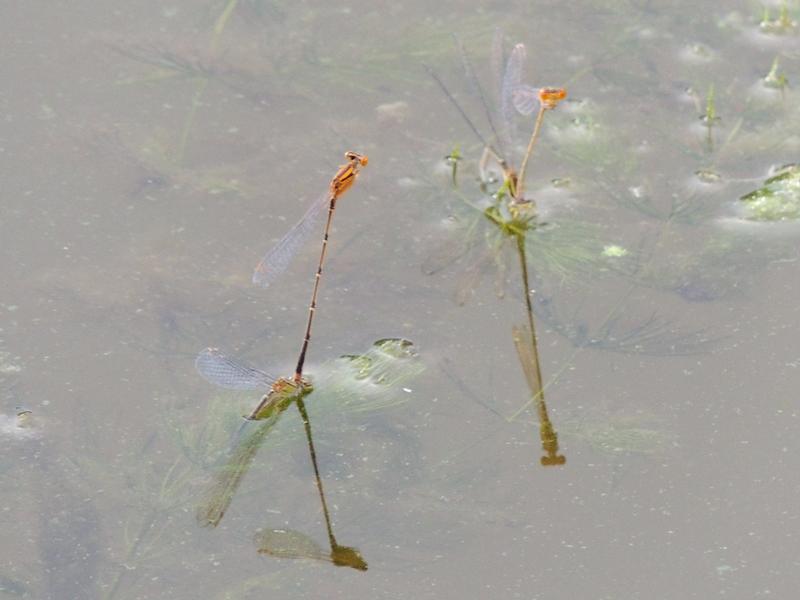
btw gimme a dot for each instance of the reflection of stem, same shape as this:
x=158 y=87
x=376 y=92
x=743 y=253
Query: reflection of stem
x=539 y=392
x=568 y=363
x=307 y=424
x=529 y=356
x=521 y=179
x=609 y=316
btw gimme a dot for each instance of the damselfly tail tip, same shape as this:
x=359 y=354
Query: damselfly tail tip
x=261 y=276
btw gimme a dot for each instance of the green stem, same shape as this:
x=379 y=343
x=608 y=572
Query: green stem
x=219 y=27
x=221 y=22
x=189 y=120
x=146 y=525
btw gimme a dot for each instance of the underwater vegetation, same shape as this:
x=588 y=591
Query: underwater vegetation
x=618 y=434
x=562 y=250
x=360 y=382
x=203 y=462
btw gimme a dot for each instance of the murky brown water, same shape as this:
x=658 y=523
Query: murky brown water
x=152 y=153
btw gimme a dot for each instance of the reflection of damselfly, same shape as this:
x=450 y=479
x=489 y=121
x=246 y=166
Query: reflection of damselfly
x=228 y=373
x=507 y=209
x=356 y=382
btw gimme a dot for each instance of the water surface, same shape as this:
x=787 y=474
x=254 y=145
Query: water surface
x=153 y=152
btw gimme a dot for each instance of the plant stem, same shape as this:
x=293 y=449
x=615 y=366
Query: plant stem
x=521 y=178
x=202 y=84
x=220 y=23
x=147 y=524
x=197 y=97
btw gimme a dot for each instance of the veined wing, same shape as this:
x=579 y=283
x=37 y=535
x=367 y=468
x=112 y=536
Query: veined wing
x=477 y=88
x=228 y=373
x=511 y=83
x=525 y=99
x=498 y=61
x=278 y=258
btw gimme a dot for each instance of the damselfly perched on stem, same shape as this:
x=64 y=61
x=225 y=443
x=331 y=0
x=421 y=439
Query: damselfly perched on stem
x=512 y=95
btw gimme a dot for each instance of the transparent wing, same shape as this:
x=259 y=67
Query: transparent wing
x=525 y=99
x=498 y=59
x=278 y=258
x=228 y=373
x=477 y=89
x=511 y=81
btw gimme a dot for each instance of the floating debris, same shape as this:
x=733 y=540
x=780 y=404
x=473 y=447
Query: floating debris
x=708 y=176
x=20 y=426
x=614 y=251
x=777 y=200
x=392 y=112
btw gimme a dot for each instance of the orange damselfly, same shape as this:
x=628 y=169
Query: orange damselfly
x=513 y=96
x=228 y=373
x=278 y=258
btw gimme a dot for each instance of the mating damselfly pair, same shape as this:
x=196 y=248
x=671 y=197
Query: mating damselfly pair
x=512 y=96
x=228 y=373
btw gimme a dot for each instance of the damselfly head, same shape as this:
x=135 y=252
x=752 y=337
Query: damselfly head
x=356 y=157
x=550 y=97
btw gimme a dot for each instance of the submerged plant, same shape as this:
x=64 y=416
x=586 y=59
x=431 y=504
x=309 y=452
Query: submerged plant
x=652 y=335
x=453 y=159
x=357 y=382
x=775 y=79
x=619 y=435
x=352 y=383
x=709 y=116
x=200 y=67
x=781 y=24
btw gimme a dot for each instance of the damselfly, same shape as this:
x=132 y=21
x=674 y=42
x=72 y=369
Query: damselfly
x=278 y=258
x=512 y=96
x=228 y=373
